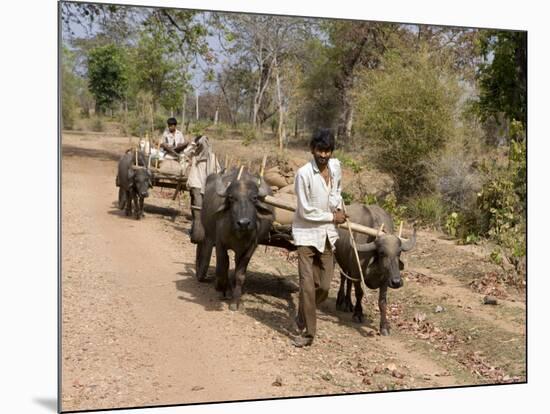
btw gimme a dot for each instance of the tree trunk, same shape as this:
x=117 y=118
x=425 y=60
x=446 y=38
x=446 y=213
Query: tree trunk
x=281 y=130
x=345 y=119
x=183 y=106
x=197 y=105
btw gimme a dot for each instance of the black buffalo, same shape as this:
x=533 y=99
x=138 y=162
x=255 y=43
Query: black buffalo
x=234 y=218
x=133 y=182
x=379 y=257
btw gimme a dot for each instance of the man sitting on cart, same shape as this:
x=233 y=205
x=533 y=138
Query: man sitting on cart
x=173 y=141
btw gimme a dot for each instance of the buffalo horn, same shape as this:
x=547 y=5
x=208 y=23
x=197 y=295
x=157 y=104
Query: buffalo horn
x=407 y=245
x=221 y=188
x=366 y=247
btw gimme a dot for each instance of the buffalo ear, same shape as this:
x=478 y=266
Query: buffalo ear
x=401 y=265
x=264 y=212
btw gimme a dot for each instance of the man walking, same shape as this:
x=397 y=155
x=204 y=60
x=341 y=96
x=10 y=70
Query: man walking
x=319 y=203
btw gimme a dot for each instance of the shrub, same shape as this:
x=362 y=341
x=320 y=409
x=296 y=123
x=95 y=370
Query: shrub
x=406 y=111
x=347 y=161
x=249 y=135
x=428 y=210
x=97 y=125
x=347 y=197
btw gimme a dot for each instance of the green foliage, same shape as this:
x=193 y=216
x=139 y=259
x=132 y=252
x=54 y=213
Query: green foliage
x=452 y=223
x=97 y=125
x=428 y=209
x=347 y=197
x=157 y=72
x=397 y=211
x=407 y=113
x=199 y=127
x=249 y=134
x=370 y=199
x=503 y=74
x=502 y=203
x=107 y=74
x=348 y=161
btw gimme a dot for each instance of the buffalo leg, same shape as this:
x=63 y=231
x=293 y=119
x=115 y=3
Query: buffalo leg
x=129 y=197
x=241 y=264
x=122 y=198
x=384 y=326
x=136 y=205
x=141 y=202
x=197 y=229
x=204 y=252
x=358 y=311
x=348 y=306
x=341 y=293
x=222 y=269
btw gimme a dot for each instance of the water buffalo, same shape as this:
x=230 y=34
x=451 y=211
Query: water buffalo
x=234 y=218
x=133 y=182
x=379 y=257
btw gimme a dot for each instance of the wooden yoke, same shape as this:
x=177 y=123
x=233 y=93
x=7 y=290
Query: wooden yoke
x=359 y=228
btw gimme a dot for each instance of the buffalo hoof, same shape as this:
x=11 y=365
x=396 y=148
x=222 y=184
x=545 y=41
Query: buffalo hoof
x=384 y=331
x=128 y=212
x=357 y=317
x=339 y=305
x=233 y=307
x=348 y=306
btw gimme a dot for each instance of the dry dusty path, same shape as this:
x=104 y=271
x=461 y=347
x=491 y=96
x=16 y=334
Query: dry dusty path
x=138 y=329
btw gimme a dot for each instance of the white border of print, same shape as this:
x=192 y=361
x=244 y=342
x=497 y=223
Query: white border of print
x=28 y=210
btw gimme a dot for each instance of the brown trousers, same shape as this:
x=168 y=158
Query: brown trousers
x=316 y=271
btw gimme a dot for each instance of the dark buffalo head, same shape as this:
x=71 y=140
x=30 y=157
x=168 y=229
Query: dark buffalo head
x=141 y=179
x=385 y=262
x=243 y=202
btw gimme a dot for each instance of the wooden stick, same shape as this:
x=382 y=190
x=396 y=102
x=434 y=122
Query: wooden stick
x=240 y=172
x=354 y=245
x=225 y=163
x=158 y=154
x=262 y=169
x=400 y=229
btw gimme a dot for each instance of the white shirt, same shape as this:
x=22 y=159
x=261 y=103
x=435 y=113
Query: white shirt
x=173 y=139
x=316 y=200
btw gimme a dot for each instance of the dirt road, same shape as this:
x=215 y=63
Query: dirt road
x=138 y=329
